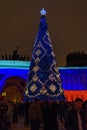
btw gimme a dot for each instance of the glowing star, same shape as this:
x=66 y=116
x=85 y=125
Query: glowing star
x=43 y=90
x=37 y=60
x=43 y=12
x=35 y=68
x=52 y=88
x=35 y=78
x=38 y=52
x=33 y=88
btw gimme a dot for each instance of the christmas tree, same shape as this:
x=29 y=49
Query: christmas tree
x=44 y=78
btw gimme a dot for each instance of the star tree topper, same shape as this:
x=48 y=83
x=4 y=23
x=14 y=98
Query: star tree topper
x=43 y=11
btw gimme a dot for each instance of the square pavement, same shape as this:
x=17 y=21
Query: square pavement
x=20 y=125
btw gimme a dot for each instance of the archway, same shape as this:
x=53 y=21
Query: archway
x=13 y=89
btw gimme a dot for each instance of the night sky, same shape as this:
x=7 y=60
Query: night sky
x=67 y=25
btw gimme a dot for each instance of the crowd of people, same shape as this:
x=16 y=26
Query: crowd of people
x=45 y=115
x=8 y=115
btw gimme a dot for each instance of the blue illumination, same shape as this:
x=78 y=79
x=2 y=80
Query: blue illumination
x=10 y=68
x=14 y=64
x=73 y=78
x=44 y=78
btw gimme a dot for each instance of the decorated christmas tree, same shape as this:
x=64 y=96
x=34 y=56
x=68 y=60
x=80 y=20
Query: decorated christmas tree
x=44 y=78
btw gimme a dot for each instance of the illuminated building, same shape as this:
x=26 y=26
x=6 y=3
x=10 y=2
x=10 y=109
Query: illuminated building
x=13 y=76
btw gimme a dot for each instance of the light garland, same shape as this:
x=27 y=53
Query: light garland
x=44 y=78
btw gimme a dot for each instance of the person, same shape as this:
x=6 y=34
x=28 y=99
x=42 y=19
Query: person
x=15 y=113
x=50 y=111
x=53 y=111
x=10 y=112
x=26 y=115
x=35 y=115
x=73 y=118
x=84 y=115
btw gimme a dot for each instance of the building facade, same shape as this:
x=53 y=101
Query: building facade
x=13 y=77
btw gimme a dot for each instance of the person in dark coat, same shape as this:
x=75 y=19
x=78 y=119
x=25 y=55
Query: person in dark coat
x=73 y=119
x=26 y=116
x=35 y=115
x=46 y=113
x=53 y=116
x=49 y=110
x=84 y=115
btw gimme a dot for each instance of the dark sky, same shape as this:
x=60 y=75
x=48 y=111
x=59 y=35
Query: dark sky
x=67 y=25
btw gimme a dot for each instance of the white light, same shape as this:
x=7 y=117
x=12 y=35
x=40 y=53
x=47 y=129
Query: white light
x=26 y=91
x=43 y=12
